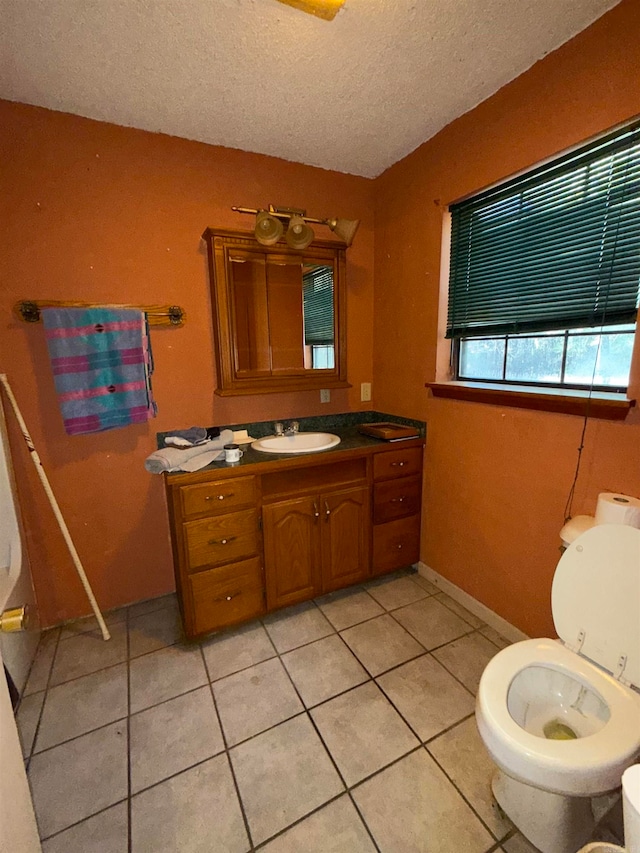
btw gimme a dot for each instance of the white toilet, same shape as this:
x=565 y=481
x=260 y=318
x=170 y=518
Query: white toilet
x=561 y=718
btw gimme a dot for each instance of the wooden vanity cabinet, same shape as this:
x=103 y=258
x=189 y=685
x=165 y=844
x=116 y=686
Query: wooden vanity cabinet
x=397 y=498
x=315 y=544
x=217 y=549
x=245 y=544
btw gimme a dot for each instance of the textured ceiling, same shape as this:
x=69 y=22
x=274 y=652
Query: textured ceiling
x=355 y=94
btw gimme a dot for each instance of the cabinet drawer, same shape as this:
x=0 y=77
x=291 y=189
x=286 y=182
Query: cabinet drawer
x=396 y=499
x=397 y=463
x=221 y=539
x=226 y=595
x=218 y=496
x=396 y=544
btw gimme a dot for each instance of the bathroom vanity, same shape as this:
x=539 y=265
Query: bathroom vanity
x=270 y=532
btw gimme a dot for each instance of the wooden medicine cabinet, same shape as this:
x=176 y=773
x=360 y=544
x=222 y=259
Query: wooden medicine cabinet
x=279 y=314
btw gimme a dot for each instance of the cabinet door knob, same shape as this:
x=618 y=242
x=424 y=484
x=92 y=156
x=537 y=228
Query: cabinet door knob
x=327 y=511
x=399 y=547
x=316 y=511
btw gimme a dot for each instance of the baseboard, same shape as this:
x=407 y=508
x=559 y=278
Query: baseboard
x=509 y=631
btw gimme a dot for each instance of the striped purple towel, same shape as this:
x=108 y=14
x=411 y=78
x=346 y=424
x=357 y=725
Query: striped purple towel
x=102 y=365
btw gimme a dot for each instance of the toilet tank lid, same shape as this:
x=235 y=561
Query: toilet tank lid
x=595 y=598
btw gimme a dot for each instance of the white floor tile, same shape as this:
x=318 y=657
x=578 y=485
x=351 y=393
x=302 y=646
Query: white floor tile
x=431 y=623
x=467 y=658
x=336 y=828
x=381 y=644
x=461 y=753
x=412 y=807
x=427 y=696
x=164 y=674
x=88 y=652
x=194 y=812
x=254 y=700
x=323 y=669
x=348 y=607
x=295 y=626
x=107 y=832
x=173 y=736
x=84 y=704
x=236 y=650
x=283 y=774
x=362 y=731
x=79 y=778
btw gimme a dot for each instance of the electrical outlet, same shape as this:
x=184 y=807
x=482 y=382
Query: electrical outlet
x=325 y=395
x=365 y=392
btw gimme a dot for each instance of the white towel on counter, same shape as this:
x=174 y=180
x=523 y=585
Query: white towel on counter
x=190 y=458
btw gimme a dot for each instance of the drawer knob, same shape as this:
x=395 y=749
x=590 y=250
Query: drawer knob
x=227 y=597
x=399 y=547
x=222 y=541
x=398 y=464
x=397 y=500
x=219 y=497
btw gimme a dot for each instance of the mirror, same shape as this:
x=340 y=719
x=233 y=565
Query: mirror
x=278 y=314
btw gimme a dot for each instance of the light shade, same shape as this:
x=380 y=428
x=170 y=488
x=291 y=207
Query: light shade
x=345 y=229
x=299 y=235
x=268 y=229
x=326 y=9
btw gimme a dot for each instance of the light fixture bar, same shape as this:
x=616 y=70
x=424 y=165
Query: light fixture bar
x=345 y=229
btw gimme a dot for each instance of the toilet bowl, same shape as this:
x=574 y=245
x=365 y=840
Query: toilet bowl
x=561 y=718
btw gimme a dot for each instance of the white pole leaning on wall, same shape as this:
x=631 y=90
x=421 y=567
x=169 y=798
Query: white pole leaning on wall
x=54 y=506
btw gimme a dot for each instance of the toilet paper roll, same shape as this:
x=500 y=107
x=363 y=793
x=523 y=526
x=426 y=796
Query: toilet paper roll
x=617 y=509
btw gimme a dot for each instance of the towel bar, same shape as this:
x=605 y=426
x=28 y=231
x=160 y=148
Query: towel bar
x=157 y=315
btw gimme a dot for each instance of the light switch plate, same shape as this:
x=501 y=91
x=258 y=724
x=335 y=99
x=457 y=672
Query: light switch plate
x=325 y=395
x=365 y=392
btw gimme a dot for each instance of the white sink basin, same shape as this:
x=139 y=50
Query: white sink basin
x=300 y=442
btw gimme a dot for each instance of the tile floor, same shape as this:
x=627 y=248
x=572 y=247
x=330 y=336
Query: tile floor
x=344 y=725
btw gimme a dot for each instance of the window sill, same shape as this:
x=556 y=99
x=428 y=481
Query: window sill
x=604 y=405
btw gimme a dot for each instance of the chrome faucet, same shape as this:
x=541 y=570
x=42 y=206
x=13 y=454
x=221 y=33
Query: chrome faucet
x=287 y=429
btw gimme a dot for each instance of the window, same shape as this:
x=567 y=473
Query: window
x=545 y=272
x=322 y=357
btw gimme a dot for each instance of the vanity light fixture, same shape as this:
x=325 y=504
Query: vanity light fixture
x=299 y=235
x=269 y=226
x=326 y=9
x=268 y=229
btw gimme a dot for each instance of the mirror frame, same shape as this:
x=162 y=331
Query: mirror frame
x=220 y=243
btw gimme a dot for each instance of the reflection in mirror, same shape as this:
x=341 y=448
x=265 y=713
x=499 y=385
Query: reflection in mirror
x=318 y=313
x=249 y=299
x=279 y=314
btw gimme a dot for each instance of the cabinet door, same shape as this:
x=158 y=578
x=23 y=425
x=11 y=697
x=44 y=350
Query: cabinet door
x=291 y=551
x=345 y=537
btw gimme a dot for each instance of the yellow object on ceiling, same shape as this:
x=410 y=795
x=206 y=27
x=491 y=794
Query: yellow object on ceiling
x=326 y=9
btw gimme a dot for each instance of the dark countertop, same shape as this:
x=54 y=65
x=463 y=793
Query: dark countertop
x=350 y=440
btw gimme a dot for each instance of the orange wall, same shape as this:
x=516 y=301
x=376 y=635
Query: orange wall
x=497 y=479
x=103 y=213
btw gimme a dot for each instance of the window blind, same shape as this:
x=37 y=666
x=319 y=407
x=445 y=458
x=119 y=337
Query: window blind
x=557 y=247
x=317 y=297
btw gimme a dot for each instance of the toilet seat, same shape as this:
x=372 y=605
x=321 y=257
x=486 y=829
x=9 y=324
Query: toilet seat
x=587 y=766
x=595 y=598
